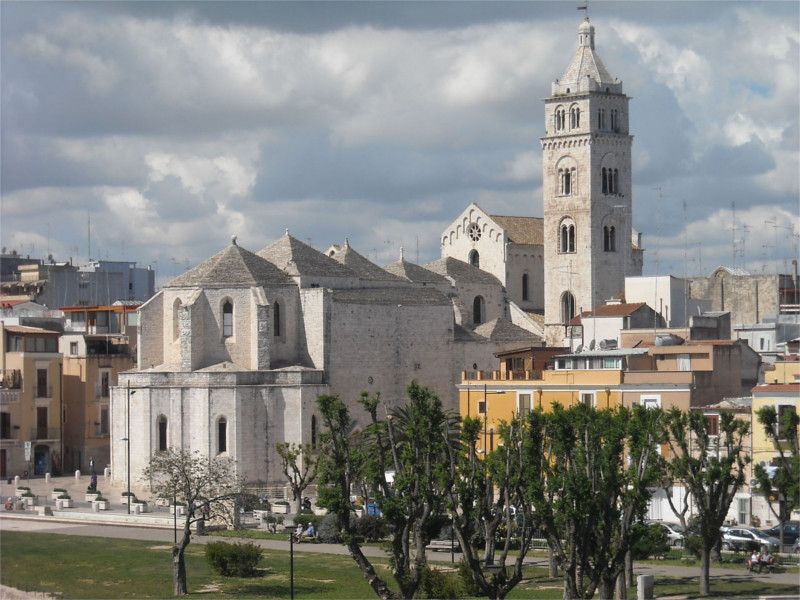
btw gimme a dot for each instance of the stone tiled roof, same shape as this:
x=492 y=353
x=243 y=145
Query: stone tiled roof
x=585 y=63
x=461 y=272
x=462 y=334
x=609 y=310
x=231 y=267
x=522 y=230
x=406 y=296
x=503 y=330
x=359 y=264
x=411 y=272
x=296 y=258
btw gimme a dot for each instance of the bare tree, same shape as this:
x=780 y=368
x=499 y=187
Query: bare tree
x=299 y=465
x=206 y=485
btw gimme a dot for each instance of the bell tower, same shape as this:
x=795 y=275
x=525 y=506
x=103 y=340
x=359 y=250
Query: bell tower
x=586 y=182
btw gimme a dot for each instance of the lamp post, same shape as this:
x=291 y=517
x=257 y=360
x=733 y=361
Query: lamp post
x=291 y=561
x=128 y=441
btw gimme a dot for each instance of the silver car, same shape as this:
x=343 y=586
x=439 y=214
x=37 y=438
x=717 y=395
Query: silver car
x=742 y=538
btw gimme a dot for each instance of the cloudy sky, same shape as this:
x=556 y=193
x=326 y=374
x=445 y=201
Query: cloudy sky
x=175 y=126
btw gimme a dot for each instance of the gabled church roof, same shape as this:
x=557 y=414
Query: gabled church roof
x=359 y=264
x=502 y=330
x=297 y=259
x=522 y=230
x=461 y=272
x=233 y=266
x=411 y=272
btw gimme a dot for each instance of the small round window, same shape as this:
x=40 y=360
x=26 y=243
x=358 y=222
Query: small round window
x=474 y=232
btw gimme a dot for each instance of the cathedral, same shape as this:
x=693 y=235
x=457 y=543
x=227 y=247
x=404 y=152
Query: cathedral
x=233 y=353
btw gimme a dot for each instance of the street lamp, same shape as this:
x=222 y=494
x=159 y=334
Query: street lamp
x=290 y=529
x=128 y=441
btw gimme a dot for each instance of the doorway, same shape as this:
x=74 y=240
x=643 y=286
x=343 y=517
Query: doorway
x=41 y=460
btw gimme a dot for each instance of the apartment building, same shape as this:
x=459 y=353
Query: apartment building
x=30 y=401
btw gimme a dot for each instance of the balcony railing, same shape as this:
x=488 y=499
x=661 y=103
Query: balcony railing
x=44 y=391
x=45 y=433
x=9 y=396
x=11 y=434
x=100 y=431
x=101 y=391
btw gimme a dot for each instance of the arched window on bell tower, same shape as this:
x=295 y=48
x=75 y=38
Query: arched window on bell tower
x=566 y=236
x=567 y=307
x=525 y=286
x=609 y=238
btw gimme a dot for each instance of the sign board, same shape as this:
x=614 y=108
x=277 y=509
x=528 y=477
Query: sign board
x=27 y=451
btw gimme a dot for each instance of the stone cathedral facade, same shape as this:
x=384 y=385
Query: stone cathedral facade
x=233 y=354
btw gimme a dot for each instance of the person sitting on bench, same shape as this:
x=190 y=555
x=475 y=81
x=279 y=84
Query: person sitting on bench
x=753 y=562
x=310 y=533
x=766 y=560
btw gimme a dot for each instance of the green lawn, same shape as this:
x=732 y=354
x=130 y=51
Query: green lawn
x=89 y=567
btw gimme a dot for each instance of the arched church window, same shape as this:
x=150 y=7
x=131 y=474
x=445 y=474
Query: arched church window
x=567 y=237
x=227 y=319
x=616 y=181
x=313 y=431
x=474 y=258
x=525 y=286
x=604 y=180
x=222 y=435
x=609 y=238
x=276 y=319
x=176 y=329
x=162 y=433
x=478 y=310
x=566 y=181
x=567 y=307
x=575 y=117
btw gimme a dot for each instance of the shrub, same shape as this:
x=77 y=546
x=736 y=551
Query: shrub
x=65 y=496
x=28 y=494
x=648 y=540
x=281 y=502
x=471 y=589
x=328 y=530
x=372 y=529
x=437 y=584
x=251 y=502
x=304 y=520
x=128 y=494
x=233 y=560
x=62 y=490
x=91 y=490
x=100 y=499
x=23 y=487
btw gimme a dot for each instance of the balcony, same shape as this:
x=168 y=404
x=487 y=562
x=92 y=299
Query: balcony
x=101 y=391
x=11 y=379
x=45 y=433
x=44 y=391
x=9 y=434
x=100 y=431
x=665 y=377
x=9 y=396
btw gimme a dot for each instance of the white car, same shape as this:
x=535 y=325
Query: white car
x=674 y=533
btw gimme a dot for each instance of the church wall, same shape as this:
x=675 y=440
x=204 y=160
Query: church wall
x=315 y=306
x=392 y=345
x=456 y=243
x=150 y=349
x=494 y=301
x=286 y=347
x=522 y=259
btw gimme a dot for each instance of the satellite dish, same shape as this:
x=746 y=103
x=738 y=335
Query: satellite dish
x=591 y=345
x=579 y=348
x=602 y=344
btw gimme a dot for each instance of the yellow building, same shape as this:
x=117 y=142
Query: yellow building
x=785 y=370
x=98 y=343
x=30 y=400
x=783 y=397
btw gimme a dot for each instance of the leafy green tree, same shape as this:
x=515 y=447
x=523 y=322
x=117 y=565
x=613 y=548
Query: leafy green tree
x=299 y=465
x=207 y=486
x=411 y=442
x=590 y=473
x=783 y=487
x=712 y=470
x=486 y=494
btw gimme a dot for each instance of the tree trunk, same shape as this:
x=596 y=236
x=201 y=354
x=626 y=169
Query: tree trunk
x=622 y=588
x=716 y=550
x=705 y=568
x=552 y=567
x=570 y=585
x=605 y=588
x=179 y=585
x=629 y=569
x=297 y=498
x=377 y=584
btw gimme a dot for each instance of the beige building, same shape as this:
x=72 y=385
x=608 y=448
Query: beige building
x=98 y=343
x=30 y=400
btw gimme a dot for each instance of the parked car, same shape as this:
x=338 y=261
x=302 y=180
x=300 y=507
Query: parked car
x=743 y=538
x=791 y=531
x=674 y=531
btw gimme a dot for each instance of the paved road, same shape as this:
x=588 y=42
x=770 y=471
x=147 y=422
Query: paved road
x=162 y=535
